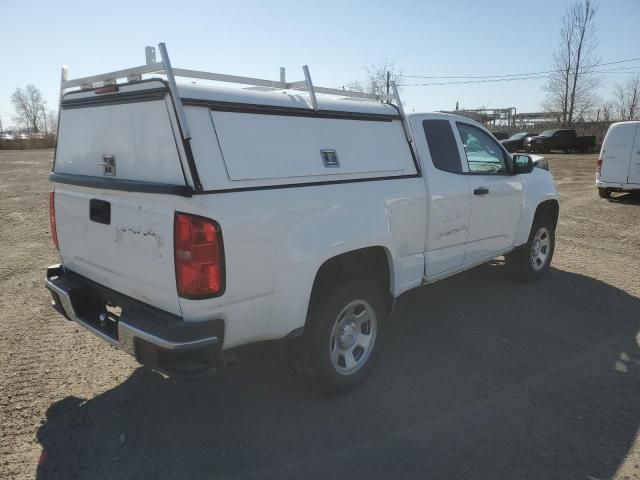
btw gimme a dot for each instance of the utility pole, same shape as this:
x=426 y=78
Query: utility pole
x=44 y=117
x=388 y=81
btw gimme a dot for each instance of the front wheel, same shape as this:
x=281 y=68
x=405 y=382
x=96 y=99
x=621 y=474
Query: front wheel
x=531 y=261
x=344 y=333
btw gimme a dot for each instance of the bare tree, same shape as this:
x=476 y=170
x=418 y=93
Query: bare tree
x=606 y=111
x=627 y=99
x=52 y=122
x=378 y=79
x=570 y=87
x=29 y=105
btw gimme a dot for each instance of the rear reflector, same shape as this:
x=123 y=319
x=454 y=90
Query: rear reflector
x=199 y=257
x=52 y=219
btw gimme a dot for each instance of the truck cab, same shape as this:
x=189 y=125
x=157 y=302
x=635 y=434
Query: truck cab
x=476 y=200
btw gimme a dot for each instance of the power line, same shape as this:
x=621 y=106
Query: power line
x=448 y=77
x=493 y=80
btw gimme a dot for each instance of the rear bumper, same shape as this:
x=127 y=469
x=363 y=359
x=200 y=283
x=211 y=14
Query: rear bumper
x=156 y=338
x=617 y=186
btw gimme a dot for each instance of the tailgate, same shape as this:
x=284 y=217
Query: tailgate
x=120 y=238
x=132 y=254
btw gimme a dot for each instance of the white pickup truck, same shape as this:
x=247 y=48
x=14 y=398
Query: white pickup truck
x=193 y=219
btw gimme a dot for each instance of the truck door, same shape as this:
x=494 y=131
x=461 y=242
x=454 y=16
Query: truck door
x=618 y=153
x=566 y=140
x=496 y=194
x=634 y=164
x=447 y=188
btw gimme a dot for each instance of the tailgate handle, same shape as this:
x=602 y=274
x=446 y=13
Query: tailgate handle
x=100 y=211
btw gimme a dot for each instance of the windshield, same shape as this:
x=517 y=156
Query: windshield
x=517 y=136
x=547 y=133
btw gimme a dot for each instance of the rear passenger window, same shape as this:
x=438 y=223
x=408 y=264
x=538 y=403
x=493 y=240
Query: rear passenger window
x=442 y=145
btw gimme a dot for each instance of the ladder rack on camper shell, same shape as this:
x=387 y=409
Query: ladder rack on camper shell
x=163 y=67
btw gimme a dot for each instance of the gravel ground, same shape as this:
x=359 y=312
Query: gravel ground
x=481 y=377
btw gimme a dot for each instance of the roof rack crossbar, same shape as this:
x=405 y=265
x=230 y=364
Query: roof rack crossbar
x=220 y=77
x=141 y=70
x=158 y=68
x=154 y=67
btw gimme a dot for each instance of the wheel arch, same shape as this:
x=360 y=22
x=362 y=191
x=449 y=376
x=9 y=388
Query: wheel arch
x=550 y=208
x=540 y=197
x=373 y=262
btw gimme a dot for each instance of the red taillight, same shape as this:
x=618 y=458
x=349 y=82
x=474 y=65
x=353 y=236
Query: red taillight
x=52 y=219
x=599 y=165
x=198 y=256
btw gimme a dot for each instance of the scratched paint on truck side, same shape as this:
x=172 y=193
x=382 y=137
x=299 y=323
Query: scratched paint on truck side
x=451 y=219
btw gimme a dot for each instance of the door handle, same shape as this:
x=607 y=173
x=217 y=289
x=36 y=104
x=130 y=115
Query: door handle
x=100 y=211
x=481 y=191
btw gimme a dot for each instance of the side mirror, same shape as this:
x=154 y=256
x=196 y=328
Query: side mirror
x=522 y=164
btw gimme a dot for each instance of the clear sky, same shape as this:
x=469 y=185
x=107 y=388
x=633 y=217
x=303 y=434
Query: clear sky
x=337 y=39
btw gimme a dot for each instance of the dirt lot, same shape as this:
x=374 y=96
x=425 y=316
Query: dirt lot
x=481 y=377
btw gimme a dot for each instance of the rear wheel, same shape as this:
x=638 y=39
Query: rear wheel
x=531 y=261
x=343 y=336
x=604 y=192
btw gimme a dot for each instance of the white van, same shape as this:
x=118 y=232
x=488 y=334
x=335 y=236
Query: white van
x=618 y=167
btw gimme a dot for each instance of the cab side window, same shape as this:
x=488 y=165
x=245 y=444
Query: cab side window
x=484 y=155
x=442 y=145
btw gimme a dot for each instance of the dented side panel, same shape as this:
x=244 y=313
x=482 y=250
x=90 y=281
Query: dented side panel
x=133 y=254
x=448 y=225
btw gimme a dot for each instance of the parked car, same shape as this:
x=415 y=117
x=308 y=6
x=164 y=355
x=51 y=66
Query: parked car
x=7 y=137
x=500 y=135
x=516 y=141
x=564 y=139
x=179 y=242
x=22 y=136
x=618 y=168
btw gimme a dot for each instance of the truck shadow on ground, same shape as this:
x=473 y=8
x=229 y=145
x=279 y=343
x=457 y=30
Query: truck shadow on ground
x=481 y=378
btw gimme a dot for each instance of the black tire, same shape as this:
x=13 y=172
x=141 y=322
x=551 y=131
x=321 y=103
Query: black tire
x=325 y=312
x=520 y=262
x=604 y=193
